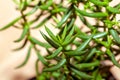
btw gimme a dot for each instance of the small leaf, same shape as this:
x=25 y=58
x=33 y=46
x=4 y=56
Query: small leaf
x=84 y=44
x=115 y=36
x=112 y=57
x=52 y=43
x=64 y=33
x=56 y=67
x=35 y=41
x=81 y=74
x=23 y=45
x=68 y=40
x=75 y=53
x=27 y=57
x=99 y=35
x=85 y=22
x=42 y=22
x=113 y=10
x=51 y=34
x=71 y=23
x=65 y=17
x=24 y=33
x=11 y=23
x=94 y=15
x=47 y=5
x=41 y=58
x=32 y=11
x=87 y=65
x=69 y=37
x=99 y=3
x=54 y=54
x=89 y=56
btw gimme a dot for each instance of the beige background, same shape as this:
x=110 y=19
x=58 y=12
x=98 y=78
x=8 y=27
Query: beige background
x=10 y=59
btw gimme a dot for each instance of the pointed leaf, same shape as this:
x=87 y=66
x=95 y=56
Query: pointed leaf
x=51 y=34
x=64 y=33
x=24 y=33
x=42 y=22
x=94 y=15
x=75 y=53
x=84 y=44
x=115 y=36
x=11 y=23
x=112 y=57
x=27 y=57
x=65 y=17
x=81 y=74
x=99 y=35
x=52 y=43
x=35 y=41
x=99 y=3
x=56 y=67
x=23 y=45
x=87 y=65
x=41 y=58
x=89 y=56
x=54 y=54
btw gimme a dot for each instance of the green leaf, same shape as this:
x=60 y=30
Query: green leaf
x=99 y=3
x=42 y=22
x=27 y=57
x=64 y=19
x=10 y=24
x=71 y=23
x=35 y=41
x=18 y=18
x=113 y=10
x=94 y=15
x=56 y=67
x=68 y=40
x=115 y=36
x=22 y=46
x=89 y=56
x=99 y=35
x=47 y=5
x=41 y=58
x=112 y=57
x=54 y=54
x=81 y=74
x=69 y=37
x=85 y=22
x=24 y=33
x=51 y=34
x=75 y=53
x=52 y=43
x=64 y=33
x=84 y=44
x=87 y=65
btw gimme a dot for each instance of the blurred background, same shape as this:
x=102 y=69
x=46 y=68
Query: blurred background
x=10 y=59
